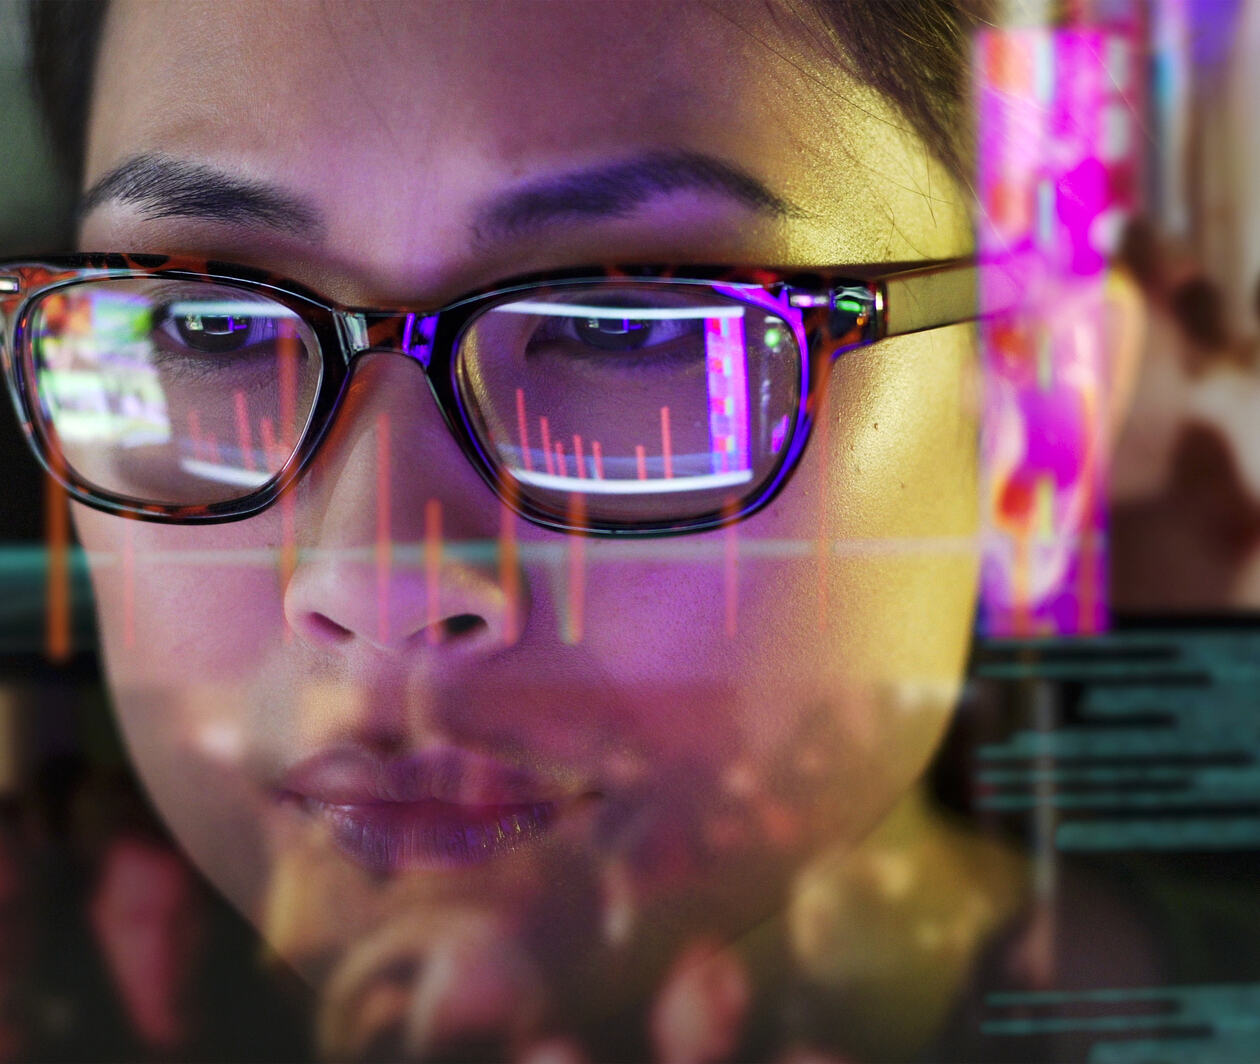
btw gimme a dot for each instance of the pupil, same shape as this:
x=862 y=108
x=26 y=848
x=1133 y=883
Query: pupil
x=612 y=334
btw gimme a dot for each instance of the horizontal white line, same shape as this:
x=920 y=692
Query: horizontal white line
x=226 y=308
x=243 y=478
x=575 y=310
x=591 y=486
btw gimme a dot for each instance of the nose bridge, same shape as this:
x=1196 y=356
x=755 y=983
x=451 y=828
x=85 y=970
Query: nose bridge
x=390 y=483
x=401 y=332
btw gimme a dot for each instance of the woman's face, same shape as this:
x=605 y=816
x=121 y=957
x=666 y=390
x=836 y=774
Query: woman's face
x=731 y=700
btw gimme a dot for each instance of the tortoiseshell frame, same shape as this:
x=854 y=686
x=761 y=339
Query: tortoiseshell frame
x=891 y=302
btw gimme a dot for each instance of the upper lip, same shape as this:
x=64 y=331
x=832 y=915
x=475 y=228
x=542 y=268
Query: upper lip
x=355 y=776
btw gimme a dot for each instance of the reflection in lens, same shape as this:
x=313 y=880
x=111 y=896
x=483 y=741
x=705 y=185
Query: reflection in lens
x=171 y=392
x=654 y=402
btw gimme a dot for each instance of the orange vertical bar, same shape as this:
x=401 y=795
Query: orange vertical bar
x=562 y=468
x=57 y=532
x=384 y=539
x=641 y=460
x=579 y=457
x=577 y=570
x=598 y=455
x=242 y=429
x=509 y=573
x=433 y=566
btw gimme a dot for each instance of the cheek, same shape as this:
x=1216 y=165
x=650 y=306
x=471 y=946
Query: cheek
x=176 y=604
x=186 y=617
x=826 y=637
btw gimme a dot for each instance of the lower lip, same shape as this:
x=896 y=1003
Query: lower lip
x=399 y=836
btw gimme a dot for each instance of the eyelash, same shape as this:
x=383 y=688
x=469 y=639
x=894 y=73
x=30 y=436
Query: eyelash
x=563 y=330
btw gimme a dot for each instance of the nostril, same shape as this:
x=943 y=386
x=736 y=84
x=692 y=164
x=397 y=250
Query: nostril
x=462 y=624
x=327 y=630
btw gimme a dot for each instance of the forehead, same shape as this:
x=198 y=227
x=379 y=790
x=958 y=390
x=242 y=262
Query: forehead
x=418 y=109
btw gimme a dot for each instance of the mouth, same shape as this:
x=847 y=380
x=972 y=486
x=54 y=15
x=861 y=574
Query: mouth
x=387 y=837
x=438 y=809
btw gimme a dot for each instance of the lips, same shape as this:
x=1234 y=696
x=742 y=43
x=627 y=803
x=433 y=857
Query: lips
x=443 y=808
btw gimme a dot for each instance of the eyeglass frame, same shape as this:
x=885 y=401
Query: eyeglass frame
x=894 y=300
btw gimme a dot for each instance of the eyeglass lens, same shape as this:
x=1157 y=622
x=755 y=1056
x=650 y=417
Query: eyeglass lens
x=176 y=393
x=648 y=402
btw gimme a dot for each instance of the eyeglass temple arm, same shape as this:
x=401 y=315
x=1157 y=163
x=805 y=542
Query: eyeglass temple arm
x=948 y=293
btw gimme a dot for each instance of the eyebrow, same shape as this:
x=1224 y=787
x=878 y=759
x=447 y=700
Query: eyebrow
x=164 y=187
x=619 y=189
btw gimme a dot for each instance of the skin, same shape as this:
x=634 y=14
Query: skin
x=734 y=756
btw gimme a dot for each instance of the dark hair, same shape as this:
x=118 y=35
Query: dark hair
x=1198 y=306
x=916 y=55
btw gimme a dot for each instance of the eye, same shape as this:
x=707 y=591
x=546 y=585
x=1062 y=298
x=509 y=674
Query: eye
x=211 y=330
x=624 y=334
x=613 y=333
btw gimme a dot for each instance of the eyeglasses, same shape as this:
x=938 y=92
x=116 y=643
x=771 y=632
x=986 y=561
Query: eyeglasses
x=636 y=400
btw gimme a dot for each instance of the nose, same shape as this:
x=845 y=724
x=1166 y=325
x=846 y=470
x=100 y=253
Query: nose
x=395 y=530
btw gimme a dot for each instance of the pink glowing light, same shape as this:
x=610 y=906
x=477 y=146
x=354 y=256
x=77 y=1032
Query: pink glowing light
x=726 y=364
x=545 y=428
x=521 y=424
x=665 y=448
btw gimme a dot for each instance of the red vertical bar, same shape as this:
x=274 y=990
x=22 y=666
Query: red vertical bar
x=384 y=544
x=57 y=532
x=669 y=464
x=545 y=429
x=520 y=421
x=194 y=432
x=286 y=377
x=641 y=460
x=242 y=430
x=577 y=570
x=562 y=468
x=598 y=455
x=433 y=566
